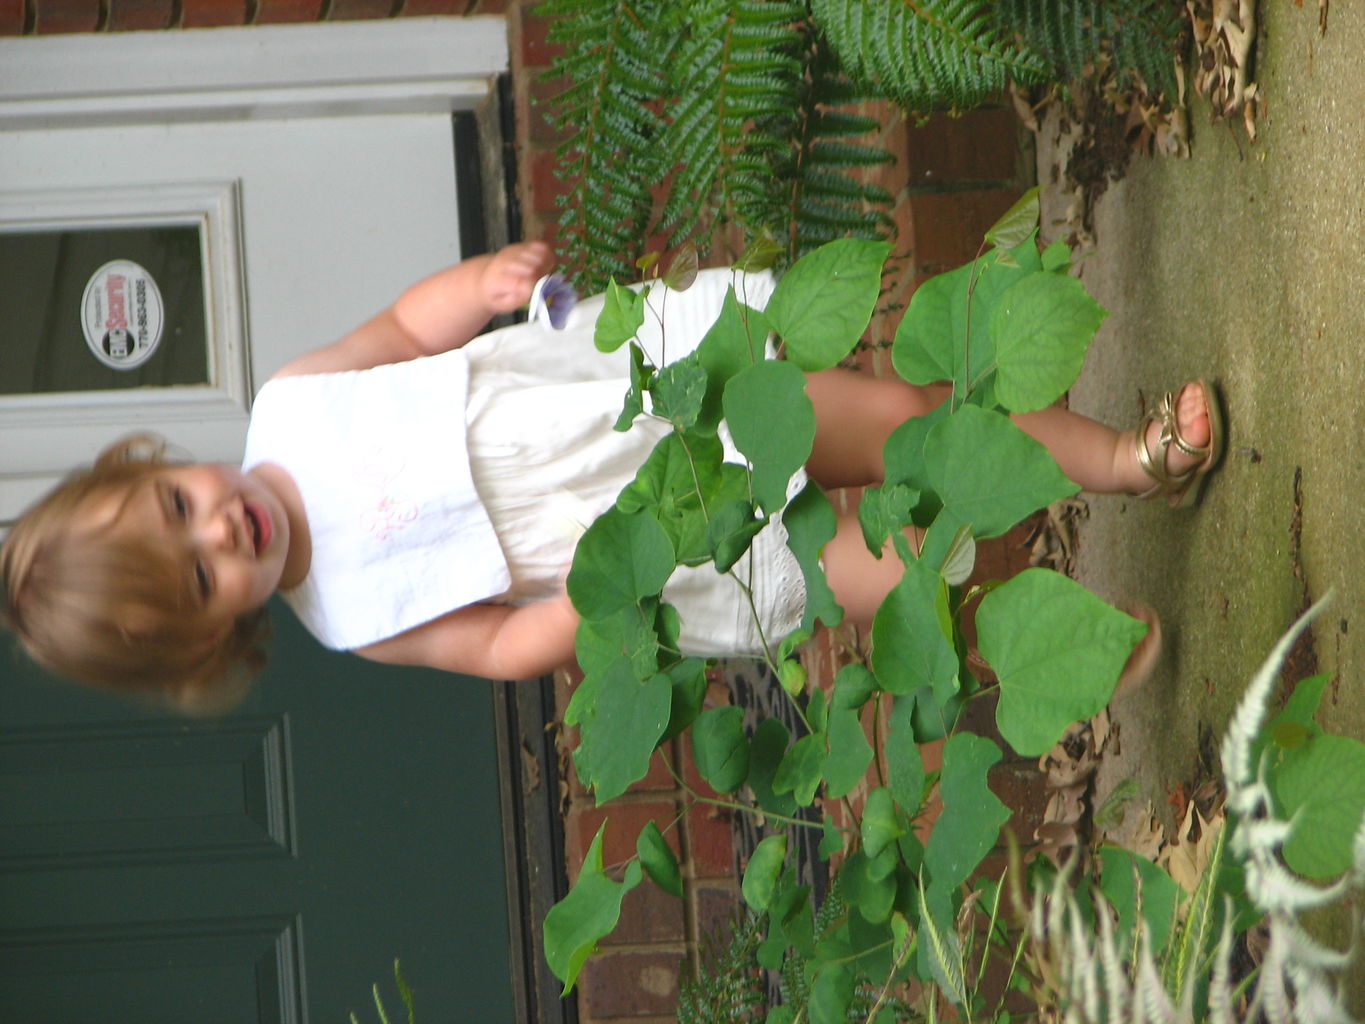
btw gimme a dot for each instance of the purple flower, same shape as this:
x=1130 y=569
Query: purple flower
x=553 y=298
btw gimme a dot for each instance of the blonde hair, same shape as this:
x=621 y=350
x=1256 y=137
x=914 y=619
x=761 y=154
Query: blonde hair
x=118 y=611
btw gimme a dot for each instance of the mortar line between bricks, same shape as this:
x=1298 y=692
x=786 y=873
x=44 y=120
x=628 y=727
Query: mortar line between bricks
x=644 y=946
x=959 y=185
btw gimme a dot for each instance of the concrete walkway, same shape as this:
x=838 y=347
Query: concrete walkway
x=1245 y=263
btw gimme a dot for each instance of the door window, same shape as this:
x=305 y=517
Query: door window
x=103 y=308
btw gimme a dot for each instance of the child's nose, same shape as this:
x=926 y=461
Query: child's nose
x=218 y=531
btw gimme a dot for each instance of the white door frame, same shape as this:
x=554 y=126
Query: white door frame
x=51 y=83
x=406 y=65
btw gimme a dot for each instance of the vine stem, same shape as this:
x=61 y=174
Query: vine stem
x=967 y=333
x=876 y=733
x=734 y=805
x=885 y=993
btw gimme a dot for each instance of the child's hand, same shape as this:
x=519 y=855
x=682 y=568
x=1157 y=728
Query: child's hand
x=512 y=273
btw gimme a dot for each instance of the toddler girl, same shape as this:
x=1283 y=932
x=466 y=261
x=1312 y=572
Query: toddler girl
x=415 y=494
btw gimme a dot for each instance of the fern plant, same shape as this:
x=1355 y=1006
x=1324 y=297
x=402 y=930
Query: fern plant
x=1136 y=37
x=729 y=987
x=732 y=104
x=615 y=58
x=736 y=80
x=738 y=110
x=929 y=54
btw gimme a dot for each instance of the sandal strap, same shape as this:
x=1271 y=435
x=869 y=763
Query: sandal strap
x=1154 y=463
x=1170 y=429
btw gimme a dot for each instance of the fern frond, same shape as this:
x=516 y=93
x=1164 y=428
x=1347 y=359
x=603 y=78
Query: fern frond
x=729 y=987
x=1139 y=37
x=927 y=54
x=736 y=75
x=615 y=55
x=823 y=198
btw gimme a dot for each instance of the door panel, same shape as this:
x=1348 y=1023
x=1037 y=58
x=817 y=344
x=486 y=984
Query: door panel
x=281 y=858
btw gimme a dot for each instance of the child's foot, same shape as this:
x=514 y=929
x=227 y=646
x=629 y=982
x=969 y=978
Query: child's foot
x=1175 y=445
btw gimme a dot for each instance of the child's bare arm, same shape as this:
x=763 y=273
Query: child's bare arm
x=436 y=314
x=488 y=640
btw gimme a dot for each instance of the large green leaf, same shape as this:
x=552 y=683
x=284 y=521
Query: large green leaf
x=904 y=765
x=766 y=751
x=854 y=685
x=720 y=748
x=849 y=752
x=734 y=342
x=763 y=871
x=911 y=645
x=773 y=423
x=1017 y=224
x=1042 y=326
x=867 y=885
x=1153 y=893
x=629 y=632
x=831 y=993
x=731 y=531
x=1320 y=785
x=811 y=522
x=988 y=472
x=882 y=824
x=588 y=913
x=623 y=727
x=679 y=390
x=688 y=680
x=659 y=860
x=1058 y=651
x=972 y=815
x=623 y=311
x=823 y=302
x=883 y=509
x=939 y=339
x=620 y=559
x=801 y=769
x=683 y=478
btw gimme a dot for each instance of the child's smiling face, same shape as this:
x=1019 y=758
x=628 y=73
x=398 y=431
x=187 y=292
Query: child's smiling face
x=230 y=528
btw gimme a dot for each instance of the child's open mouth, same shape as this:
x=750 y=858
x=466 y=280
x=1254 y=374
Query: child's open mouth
x=259 y=521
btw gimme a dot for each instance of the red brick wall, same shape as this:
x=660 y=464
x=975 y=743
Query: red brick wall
x=952 y=178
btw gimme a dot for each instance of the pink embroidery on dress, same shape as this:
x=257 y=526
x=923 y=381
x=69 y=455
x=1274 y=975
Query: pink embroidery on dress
x=393 y=512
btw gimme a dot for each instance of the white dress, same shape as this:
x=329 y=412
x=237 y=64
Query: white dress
x=547 y=462
x=537 y=444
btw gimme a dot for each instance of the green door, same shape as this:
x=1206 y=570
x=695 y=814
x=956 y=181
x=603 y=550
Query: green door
x=264 y=867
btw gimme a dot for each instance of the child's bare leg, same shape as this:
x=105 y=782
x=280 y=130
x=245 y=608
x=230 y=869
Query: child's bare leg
x=1104 y=460
x=859 y=579
x=856 y=412
x=854 y=415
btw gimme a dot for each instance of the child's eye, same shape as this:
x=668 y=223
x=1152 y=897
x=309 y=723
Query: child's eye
x=178 y=503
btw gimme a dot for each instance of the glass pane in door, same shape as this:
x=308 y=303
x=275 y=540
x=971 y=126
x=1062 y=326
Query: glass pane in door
x=102 y=308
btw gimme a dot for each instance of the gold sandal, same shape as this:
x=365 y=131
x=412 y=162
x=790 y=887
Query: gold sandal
x=1183 y=490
